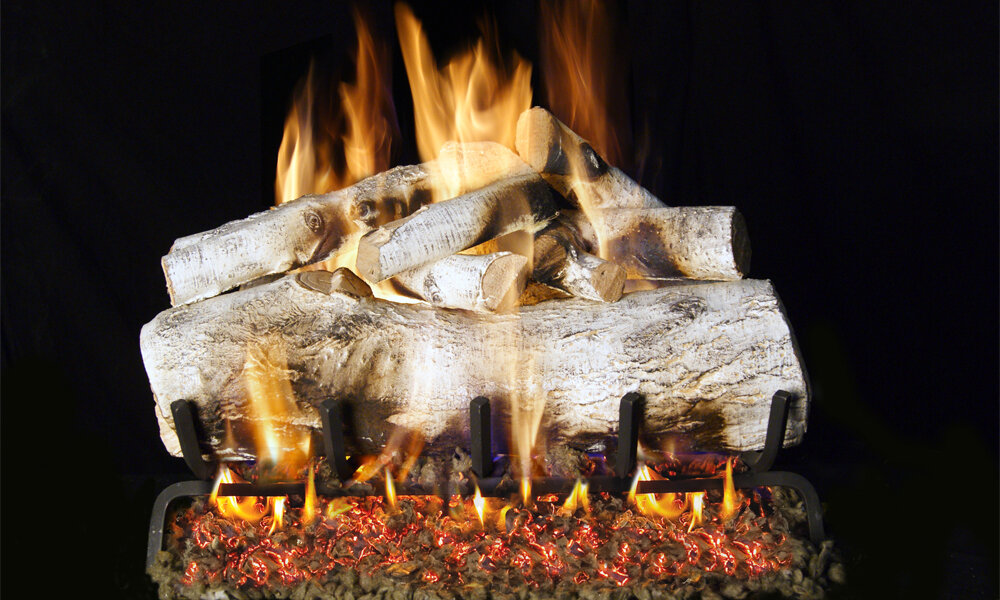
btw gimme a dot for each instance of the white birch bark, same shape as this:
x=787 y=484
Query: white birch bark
x=707 y=356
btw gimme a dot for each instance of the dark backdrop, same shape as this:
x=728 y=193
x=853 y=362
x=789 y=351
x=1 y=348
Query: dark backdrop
x=859 y=140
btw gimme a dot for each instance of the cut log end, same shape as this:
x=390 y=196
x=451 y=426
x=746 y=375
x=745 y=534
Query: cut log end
x=504 y=281
x=342 y=281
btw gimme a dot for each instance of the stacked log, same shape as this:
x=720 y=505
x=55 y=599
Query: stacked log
x=707 y=349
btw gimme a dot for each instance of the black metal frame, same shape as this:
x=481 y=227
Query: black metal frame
x=333 y=417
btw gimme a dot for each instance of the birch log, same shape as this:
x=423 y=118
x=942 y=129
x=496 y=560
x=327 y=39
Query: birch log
x=573 y=167
x=707 y=356
x=698 y=242
x=560 y=261
x=485 y=282
x=522 y=203
x=314 y=227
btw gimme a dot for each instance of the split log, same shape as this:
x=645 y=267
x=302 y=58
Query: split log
x=561 y=262
x=522 y=203
x=698 y=242
x=573 y=167
x=707 y=356
x=314 y=227
x=484 y=282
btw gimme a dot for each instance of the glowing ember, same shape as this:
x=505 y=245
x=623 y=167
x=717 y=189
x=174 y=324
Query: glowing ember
x=421 y=541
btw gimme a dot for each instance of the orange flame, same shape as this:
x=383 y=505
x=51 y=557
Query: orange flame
x=248 y=509
x=577 y=498
x=585 y=88
x=473 y=98
x=648 y=504
x=313 y=140
x=697 y=500
x=279 y=515
x=280 y=444
x=310 y=503
x=730 y=501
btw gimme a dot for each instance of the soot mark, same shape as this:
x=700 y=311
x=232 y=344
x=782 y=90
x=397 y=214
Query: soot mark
x=647 y=251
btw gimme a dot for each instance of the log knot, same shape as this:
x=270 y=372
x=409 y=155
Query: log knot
x=313 y=220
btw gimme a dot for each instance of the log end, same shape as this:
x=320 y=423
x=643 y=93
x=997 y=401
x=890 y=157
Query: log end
x=341 y=281
x=504 y=281
x=538 y=140
x=368 y=262
x=608 y=280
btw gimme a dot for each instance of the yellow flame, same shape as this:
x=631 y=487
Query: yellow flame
x=313 y=139
x=577 y=499
x=649 y=504
x=278 y=517
x=310 y=503
x=526 y=491
x=472 y=98
x=502 y=520
x=584 y=87
x=480 y=503
x=280 y=443
x=696 y=500
x=730 y=501
x=245 y=508
x=390 y=489
x=337 y=506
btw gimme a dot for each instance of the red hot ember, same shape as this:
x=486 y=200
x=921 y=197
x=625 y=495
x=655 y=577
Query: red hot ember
x=559 y=545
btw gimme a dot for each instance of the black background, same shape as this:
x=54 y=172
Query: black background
x=859 y=140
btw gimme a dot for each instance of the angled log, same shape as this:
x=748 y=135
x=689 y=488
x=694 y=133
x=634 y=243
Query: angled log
x=521 y=203
x=573 y=167
x=561 y=262
x=698 y=242
x=706 y=356
x=486 y=282
x=312 y=228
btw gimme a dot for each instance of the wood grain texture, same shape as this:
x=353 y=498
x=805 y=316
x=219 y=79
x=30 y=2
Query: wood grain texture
x=698 y=242
x=572 y=166
x=521 y=203
x=707 y=356
x=315 y=227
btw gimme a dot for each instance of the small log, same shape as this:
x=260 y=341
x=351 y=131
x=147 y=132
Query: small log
x=521 y=203
x=561 y=262
x=573 y=167
x=312 y=228
x=698 y=242
x=706 y=356
x=484 y=282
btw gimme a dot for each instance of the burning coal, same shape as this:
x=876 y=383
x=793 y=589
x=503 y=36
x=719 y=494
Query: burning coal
x=557 y=546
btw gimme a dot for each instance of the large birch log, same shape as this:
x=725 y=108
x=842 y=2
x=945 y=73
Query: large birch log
x=522 y=203
x=698 y=242
x=707 y=356
x=561 y=262
x=484 y=282
x=312 y=228
x=573 y=167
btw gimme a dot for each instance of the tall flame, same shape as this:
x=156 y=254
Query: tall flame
x=729 y=499
x=314 y=140
x=309 y=506
x=473 y=98
x=280 y=444
x=585 y=88
x=480 y=503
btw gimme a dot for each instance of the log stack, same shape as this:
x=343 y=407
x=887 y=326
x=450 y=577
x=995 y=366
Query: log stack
x=465 y=235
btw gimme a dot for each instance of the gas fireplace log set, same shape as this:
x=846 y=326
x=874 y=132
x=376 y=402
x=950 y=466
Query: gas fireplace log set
x=706 y=355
